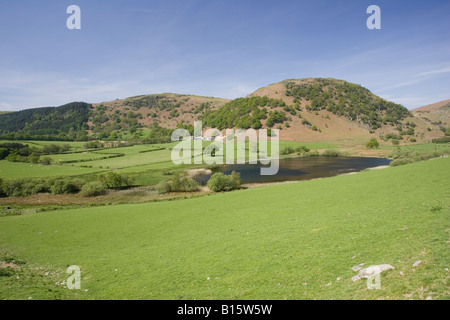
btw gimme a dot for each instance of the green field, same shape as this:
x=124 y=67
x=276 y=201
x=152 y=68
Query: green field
x=136 y=160
x=291 y=241
x=13 y=170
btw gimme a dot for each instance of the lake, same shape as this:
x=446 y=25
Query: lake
x=301 y=168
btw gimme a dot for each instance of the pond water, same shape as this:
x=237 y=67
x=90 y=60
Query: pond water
x=302 y=168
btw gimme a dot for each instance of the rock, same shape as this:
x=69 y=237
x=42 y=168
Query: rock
x=417 y=263
x=371 y=271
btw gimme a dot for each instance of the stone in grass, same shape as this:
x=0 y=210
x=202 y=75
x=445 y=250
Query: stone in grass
x=371 y=271
x=416 y=264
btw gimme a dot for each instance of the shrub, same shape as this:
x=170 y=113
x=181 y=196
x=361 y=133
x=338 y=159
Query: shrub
x=64 y=186
x=46 y=161
x=93 y=189
x=163 y=187
x=190 y=185
x=287 y=150
x=236 y=180
x=3 y=153
x=40 y=187
x=177 y=184
x=2 y=193
x=93 y=145
x=332 y=153
x=18 y=187
x=406 y=156
x=113 y=180
x=400 y=162
x=313 y=153
x=221 y=182
x=445 y=139
x=301 y=149
x=372 y=144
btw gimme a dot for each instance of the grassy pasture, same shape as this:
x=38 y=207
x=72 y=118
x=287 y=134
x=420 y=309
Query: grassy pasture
x=291 y=241
x=14 y=170
x=136 y=159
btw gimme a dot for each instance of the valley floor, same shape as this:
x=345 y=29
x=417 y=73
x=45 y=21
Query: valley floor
x=290 y=241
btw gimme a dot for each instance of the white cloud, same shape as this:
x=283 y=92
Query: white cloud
x=438 y=71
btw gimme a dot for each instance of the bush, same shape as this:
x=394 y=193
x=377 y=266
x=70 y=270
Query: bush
x=2 y=193
x=46 y=161
x=177 y=184
x=332 y=153
x=406 y=156
x=190 y=185
x=3 y=153
x=93 y=189
x=220 y=182
x=287 y=150
x=64 y=186
x=400 y=162
x=236 y=180
x=301 y=149
x=163 y=187
x=372 y=144
x=113 y=180
x=445 y=139
x=18 y=187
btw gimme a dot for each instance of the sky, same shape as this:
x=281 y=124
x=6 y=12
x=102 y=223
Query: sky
x=219 y=48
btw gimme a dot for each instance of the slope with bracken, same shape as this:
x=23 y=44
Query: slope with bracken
x=317 y=109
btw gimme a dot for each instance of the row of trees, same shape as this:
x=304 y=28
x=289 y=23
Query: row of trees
x=28 y=186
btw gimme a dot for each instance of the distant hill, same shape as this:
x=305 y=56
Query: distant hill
x=312 y=109
x=436 y=112
x=45 y=123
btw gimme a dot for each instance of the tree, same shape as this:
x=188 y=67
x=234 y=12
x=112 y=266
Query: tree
x=372 y=144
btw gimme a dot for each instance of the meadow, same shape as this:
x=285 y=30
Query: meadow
x=290 y=241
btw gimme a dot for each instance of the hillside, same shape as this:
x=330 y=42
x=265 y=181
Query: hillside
x=437 y=113
x=167 y=111
x=309 y=110
x=318 y=109
x=67 y=121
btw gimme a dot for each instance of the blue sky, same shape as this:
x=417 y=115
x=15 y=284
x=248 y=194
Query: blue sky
x=221 y=48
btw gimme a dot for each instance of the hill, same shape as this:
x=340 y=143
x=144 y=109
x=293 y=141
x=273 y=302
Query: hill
x=437 y=113
x=67 y=121
x=317 y=109
x=308 y=110
x=436 y=118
